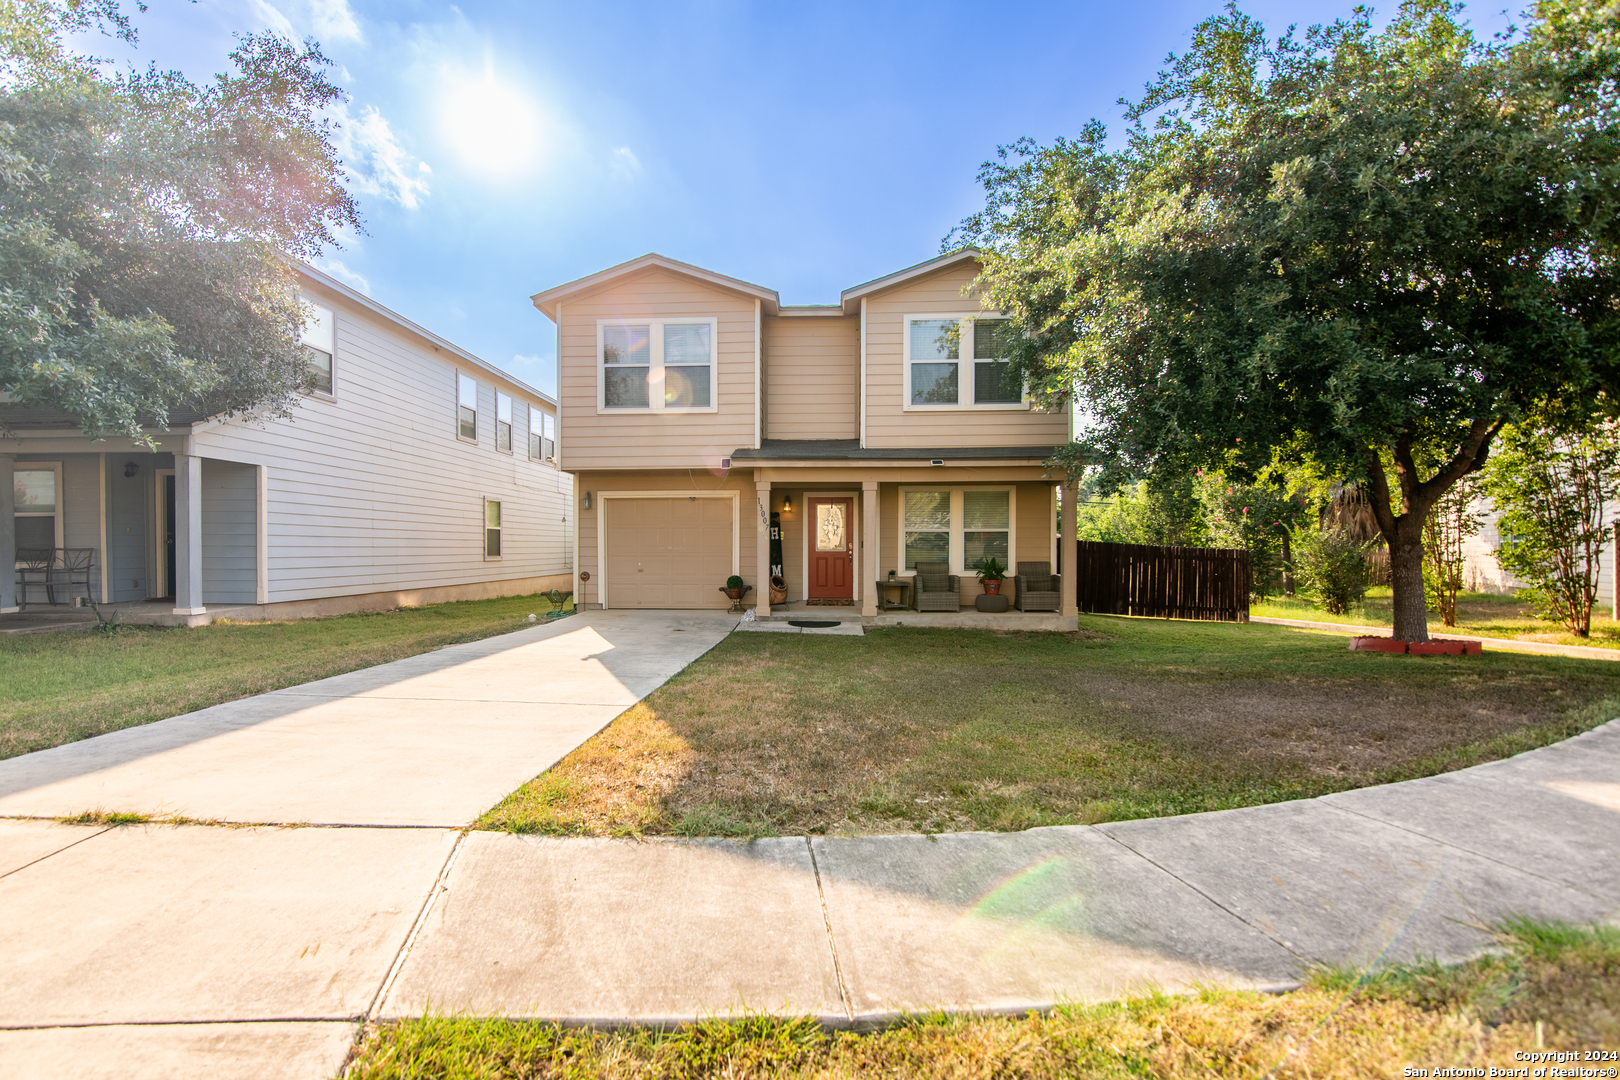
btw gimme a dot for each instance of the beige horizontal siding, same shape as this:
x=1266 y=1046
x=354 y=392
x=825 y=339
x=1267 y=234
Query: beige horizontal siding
x=888 y=424
x=812 y=377
x=635 y=440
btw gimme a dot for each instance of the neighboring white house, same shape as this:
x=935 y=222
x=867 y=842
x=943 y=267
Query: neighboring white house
x=420 y=474
x=1482 y=571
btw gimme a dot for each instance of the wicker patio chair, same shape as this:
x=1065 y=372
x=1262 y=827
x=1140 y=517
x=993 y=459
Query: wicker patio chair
x=1036 y=588
x=34 y=572
x=937 y=588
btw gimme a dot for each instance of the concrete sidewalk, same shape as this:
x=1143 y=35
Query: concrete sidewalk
x=1545 y=648
x=194 y=951
x=432 y=740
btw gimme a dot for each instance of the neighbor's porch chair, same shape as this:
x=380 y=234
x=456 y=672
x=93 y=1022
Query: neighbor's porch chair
x=75 y=569
x=34 y=567
x=937 y=588
x=1036 y=588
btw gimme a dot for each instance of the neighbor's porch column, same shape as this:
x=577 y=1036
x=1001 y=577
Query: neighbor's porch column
x=8 y=536
x=188 y=598
x=762 y=550
x=869 y=547
x=1070 y=552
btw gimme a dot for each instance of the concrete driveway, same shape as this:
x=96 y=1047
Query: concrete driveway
x=433 y=740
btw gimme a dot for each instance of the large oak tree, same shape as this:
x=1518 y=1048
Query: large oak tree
x=1365 y=249
x=146 y=223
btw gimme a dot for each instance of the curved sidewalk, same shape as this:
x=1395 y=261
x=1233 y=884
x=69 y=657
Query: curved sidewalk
x=1546 y=648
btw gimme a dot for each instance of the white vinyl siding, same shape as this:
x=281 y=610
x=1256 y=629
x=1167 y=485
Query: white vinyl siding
x=369 y=496
x=656 y=365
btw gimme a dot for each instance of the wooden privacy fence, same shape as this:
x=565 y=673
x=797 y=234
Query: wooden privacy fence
x=1163 y=582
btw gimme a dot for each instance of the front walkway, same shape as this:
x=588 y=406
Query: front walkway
x=194 y=951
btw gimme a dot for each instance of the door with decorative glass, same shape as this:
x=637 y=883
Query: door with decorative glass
x=832 y=548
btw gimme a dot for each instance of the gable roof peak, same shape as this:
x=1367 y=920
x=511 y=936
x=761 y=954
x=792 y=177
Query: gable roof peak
x=548 y=299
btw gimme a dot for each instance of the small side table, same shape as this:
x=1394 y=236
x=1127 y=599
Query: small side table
x=907 y=587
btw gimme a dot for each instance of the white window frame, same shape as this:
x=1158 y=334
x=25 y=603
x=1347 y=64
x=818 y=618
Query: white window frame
x=461 y=375
x=655 y=370
x=503 y=399
x=542 y=447
x=964 y=366
x=957 y=543
x=44 y=466
x=500 y=530
x=319 y=334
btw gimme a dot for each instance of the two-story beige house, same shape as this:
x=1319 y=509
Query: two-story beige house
x=881 y=429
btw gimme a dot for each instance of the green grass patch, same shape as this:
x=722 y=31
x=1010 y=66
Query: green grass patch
x=1553 y=988
x=936 y=730
x=72 y=684
x=1482 y=614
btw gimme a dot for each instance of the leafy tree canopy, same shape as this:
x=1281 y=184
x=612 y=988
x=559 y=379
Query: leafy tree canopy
x=1345 y=247
x=146 y=221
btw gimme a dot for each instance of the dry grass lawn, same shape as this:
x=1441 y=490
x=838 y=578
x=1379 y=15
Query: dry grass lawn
x=938 y=730
x=1554 y=988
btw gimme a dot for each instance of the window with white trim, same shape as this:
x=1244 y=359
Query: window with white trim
x=38 y=505
x=958 y=525
x=466 y=406
x=503 y=422
x=657 y=364
x=542 y=435
x=936 y=347
x=492 y=529
x=319 y=338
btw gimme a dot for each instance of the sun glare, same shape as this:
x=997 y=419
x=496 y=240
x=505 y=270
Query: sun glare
x=494 y=127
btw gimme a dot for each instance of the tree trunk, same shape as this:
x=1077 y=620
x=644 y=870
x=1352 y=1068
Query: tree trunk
x=1406 y=578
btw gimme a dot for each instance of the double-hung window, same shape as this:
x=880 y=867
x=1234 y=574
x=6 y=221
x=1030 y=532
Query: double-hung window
x=657 y=364
x=542 y=434
x=38 y=506
x=319 y=338
x=492 y=529
x=938 y=346
x=503 y=422
x=466 y=406
x=957 y=525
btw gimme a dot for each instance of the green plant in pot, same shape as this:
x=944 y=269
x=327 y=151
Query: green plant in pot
x=991 y=571
x=734 y=587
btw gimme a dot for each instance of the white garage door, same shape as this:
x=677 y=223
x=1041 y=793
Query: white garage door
x=668 y=553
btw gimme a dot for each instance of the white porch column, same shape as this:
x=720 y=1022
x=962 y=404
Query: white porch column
x=1070 y=551
x=762 y=549
x=8 y=536
x=188 y=599
x=869 y=547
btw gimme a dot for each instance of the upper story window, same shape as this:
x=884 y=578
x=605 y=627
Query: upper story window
x=657 y=364
x=542 y=435
x=319 y=338
x=466 y=406
x=937 y=346
x=503 y=422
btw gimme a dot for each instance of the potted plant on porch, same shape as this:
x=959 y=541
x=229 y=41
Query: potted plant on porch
x=991 y=572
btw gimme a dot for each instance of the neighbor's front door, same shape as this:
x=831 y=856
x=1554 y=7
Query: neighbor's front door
x=832 y=549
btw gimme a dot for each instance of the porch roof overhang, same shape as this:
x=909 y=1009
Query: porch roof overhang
x=850 y=451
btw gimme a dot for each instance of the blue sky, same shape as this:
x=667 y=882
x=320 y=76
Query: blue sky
x=499 y=149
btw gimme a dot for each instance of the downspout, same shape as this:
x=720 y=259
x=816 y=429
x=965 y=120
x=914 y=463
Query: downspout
x=863 y=373
x=759 y=401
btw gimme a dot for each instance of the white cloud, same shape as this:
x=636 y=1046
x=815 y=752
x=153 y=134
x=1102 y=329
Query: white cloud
x=326 y=20
x=624 y=164
x=377 y=164
x=338 y=270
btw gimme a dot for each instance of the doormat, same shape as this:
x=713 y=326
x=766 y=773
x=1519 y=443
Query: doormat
x=814 y=624
x=828 y=602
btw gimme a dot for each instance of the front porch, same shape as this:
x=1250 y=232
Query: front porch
x=967 y=618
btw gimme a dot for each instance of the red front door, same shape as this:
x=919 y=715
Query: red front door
x=832 y=549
